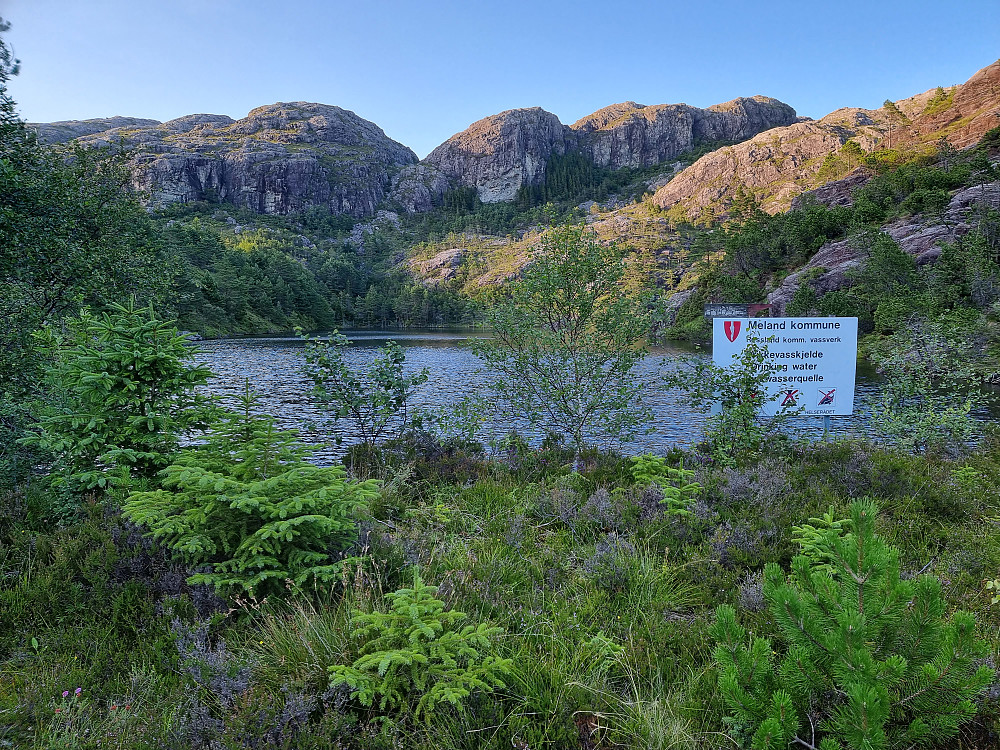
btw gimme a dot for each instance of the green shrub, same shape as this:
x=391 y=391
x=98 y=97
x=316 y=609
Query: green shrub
x=249 y=505
x=124 y=395
x=739 y=430
x=678 y=489
x=376 y=401
x=925 y=401
x=869 y=660
x=417 y=655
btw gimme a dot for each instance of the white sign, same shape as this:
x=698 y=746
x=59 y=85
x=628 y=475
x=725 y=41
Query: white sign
x=813 y=361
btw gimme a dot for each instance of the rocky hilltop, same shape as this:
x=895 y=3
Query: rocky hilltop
x=499 y=154
x=782 y=163
x=631 y=135
x=280 y=158
x=67 y=130
x=286 y=157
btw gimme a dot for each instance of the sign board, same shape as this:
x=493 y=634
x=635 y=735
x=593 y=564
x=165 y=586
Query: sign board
x=813 y=361
x=725 y=310
x=734 y=310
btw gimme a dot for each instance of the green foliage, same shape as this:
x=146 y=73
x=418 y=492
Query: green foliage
x=248 y=504
x=812 y=538
x=568 y=177
x=376 y=401
x=867 y=659
x=72 y=232
x=566 y=340
x=124 y=396
x=940 y=101
x=968 y=273
x=761 y=242
x=679 y=492
x=277 y=273
x=250 y=283
x=926 y=400
x=738 y=431
x=418 y=655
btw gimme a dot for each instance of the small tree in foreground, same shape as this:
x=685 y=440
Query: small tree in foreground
x=567 y=339
x=419 y=655
x=123 y=389
x=928 y=394
x=250 y=506
x=376 y=401
x=868 y=661
x=740 y=391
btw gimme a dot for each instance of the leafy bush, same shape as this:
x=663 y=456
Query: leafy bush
x=566 y=343
x=868 y=660
x=376 y=401
x=249 y=505
x=926 y=401
x=417 y=655
x=738 y=430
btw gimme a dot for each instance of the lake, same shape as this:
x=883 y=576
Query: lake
x=272 y=364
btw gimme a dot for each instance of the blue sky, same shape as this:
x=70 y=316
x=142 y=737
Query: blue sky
x=424 y=70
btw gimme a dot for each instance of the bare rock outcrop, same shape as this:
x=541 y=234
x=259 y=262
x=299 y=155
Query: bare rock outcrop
x=631 y=135
x=829 y=269
x=68 y=130
x=280 y=158
x=780 y=164
x=441 y=267
x=772 y=165
x=499 y=154
x=419 y=187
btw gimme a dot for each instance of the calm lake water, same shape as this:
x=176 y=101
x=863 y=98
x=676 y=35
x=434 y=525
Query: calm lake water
x=273 y=365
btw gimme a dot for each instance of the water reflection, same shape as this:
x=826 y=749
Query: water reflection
x=272 y=365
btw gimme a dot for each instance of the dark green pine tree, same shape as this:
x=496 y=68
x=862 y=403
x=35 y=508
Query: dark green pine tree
x=867 y=661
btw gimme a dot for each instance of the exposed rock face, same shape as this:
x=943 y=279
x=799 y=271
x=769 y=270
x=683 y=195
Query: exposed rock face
x=773 y=165
x=419 y=187
x=836 y=259
x=498 y=154
x=631 y=135
x=741 y=118
x=974 y=109
x=838 y=192
x=278 y=159
x=440 y=268
x=67 y=130
x=778 y=165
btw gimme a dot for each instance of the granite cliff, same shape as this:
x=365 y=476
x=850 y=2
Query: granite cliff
x=631 y=135
x=782 y=163
x=279 y=159
x=499 y=154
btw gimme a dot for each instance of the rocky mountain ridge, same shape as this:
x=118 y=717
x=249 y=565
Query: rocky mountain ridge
x=289 y=157
x=286 y=157
x=279 y=159
x=782 y=163
x=499 y=154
